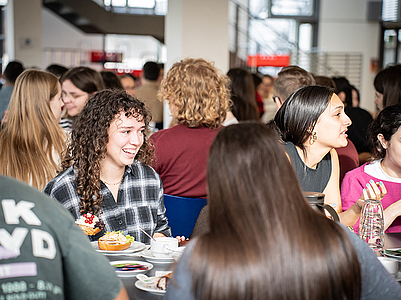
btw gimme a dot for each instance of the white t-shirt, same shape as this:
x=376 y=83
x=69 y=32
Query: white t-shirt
x=375 y=169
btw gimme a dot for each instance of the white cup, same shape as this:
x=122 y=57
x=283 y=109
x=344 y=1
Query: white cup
x=390 y=264
x=163 y=247
x=178 y=252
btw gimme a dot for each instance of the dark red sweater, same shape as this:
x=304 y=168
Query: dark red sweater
x=181 y=159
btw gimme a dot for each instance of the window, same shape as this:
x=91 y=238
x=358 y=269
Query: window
x=130 y=3
x=390 y=10
x=291 y=7
x=141 y=3
x=287 y=24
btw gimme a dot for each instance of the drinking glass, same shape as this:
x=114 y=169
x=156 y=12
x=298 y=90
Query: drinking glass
x=371 y=225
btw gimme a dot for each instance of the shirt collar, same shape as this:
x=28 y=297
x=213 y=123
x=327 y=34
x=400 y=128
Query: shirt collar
x=132 y=169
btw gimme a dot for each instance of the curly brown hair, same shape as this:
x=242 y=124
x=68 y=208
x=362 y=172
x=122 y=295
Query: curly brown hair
x=198 y=93
x=89 y=138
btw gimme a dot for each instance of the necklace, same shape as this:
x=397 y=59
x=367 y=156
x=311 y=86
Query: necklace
x=117 y=183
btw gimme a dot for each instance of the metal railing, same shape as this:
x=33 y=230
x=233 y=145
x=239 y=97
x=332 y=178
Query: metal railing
x=70 y=57
x=323 y=63
x=331 y=64
x=160 y=8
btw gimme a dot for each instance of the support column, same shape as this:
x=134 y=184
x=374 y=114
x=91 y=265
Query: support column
x=24 y=31
x=197 y=29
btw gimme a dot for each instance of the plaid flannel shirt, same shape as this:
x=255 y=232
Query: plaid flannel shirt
x=140 y=202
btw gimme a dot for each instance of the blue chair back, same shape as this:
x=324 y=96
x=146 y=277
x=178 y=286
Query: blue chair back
x=182 y=213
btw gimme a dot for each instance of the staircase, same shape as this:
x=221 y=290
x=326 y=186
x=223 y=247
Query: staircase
x=91 y=17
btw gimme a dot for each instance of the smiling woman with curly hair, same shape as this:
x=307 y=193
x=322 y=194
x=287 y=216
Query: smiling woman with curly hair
x=106 y=168
x=198 y=96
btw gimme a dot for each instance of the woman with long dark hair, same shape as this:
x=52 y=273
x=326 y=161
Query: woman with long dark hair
x=387 y=84
x=243 y=95
x=312 y=122
x=265 y=241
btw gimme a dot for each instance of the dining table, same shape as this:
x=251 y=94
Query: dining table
x=391 y=240
x=129 y=282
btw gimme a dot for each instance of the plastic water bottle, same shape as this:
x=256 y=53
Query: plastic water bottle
x=371 y=225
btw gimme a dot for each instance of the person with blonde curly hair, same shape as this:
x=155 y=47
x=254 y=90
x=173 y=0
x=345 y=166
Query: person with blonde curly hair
x=31 y=140
x=198 y=97
x=106 y=168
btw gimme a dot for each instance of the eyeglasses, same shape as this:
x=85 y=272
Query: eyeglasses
x=71 y=96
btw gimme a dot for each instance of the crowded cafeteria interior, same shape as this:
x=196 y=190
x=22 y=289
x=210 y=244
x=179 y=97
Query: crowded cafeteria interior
x=215 y=149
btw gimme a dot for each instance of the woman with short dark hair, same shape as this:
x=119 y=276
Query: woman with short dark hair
x=312 y=122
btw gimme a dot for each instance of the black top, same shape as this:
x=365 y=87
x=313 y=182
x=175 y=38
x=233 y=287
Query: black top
x=311 y=180
x=357 y=132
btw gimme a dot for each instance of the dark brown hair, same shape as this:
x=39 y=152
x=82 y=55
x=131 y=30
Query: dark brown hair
x=84 y=78
x=111 y=80
x=388 y=83
x=387 y=123
x=243 y=95
x=325 y=81
x=265 y=241
x=89 y=139
x=299 y=114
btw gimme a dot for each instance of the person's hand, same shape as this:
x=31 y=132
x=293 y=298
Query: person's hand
x=158 y=234
x=374 y=190
x=359 y=203
x=182 y=241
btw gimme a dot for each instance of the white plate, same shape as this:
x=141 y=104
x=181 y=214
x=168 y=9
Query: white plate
x=132 y=272
x=392 y=255
x=140 y=285
x=148 y=256
x=135 y=247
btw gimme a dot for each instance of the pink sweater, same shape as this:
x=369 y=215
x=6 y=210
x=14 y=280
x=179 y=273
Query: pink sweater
x=351 y=189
